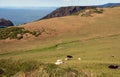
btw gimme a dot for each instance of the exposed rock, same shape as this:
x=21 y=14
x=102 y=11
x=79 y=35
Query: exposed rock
x=65 y=11
x=5 y=23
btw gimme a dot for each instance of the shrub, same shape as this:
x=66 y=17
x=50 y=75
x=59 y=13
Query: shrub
x=77 y=13
x=89 y=12
x=98 y=11
x=36 y=33
x=13 y=33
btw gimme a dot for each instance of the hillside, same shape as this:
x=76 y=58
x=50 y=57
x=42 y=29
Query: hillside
x=95 y=39
x=66 y=11
x=76 y=24
x=110 y=5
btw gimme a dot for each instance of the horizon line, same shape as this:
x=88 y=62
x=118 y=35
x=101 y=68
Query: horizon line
x=31 y=7
x=52 y=6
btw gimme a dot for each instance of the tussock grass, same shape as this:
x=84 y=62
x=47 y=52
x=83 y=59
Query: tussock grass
x=10 y=68
x=95 y=53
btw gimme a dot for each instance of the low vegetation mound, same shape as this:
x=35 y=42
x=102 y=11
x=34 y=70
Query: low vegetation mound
x=16 y=33
x=66 y=11
x=89 y=12
x=22 y=68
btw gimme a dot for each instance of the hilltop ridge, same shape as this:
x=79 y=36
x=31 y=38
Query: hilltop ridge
x=69 y=10
x=110 y=5
x=66 y=11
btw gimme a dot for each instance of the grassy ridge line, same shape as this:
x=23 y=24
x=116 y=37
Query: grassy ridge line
x=53 y=47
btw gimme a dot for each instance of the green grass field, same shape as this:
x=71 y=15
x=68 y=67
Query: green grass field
x=95 y=43
x=96 y=55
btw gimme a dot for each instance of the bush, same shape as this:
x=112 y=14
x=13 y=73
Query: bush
x=98 y=11
x=89 y=12
x=77 y=13
x=13 y=33
x=36 y=33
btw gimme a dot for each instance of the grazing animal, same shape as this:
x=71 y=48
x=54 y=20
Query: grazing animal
x=58 y=62
x=67 y=59
x=79 y=58
x=69 y=56
x=113 y=66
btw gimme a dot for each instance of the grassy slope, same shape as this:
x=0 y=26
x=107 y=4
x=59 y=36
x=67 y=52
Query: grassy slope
x=94 y=39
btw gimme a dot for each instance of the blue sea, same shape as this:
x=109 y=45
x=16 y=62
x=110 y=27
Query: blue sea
x=21 y=16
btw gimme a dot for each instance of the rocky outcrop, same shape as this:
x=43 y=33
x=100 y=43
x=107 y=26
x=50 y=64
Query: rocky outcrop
x=5 y=23
x=65 y=11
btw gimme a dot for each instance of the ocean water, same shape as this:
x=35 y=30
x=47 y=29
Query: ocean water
x=21 y=16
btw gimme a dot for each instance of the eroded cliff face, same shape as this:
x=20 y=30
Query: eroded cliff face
x=66 y=11
x=5 y=23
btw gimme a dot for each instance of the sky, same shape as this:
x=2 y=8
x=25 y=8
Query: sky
x=52 y=3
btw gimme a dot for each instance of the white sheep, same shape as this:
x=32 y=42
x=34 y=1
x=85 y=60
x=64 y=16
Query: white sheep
x=58 y=62
x=66 y=58
x=79 y=58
